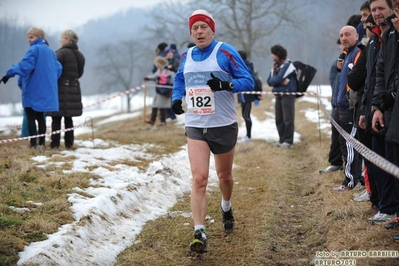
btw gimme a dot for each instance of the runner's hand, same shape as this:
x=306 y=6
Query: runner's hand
x=217 y=85
x=177 y=108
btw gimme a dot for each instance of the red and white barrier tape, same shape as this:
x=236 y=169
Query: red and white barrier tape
x=45 y=134
x=370 y=155
x=18 y=127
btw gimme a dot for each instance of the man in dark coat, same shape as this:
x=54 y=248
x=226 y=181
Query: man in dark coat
x=386 y=70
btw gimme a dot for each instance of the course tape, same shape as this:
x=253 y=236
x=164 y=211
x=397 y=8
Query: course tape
x=45 y=134
x=370 y=155
x=17 y=127
x=137 y=88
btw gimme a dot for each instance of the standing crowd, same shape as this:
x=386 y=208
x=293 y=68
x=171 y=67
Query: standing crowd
x=49 y=83
x=365 y=105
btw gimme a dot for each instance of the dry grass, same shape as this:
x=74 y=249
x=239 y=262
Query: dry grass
x=285 y=210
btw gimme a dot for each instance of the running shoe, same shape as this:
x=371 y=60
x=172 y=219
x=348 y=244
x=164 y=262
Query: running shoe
x=228 y=221
x=198 y=245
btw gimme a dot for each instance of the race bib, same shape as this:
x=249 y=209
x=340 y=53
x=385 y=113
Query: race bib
x=201 y=100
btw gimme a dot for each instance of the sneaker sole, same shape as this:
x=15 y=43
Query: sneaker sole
x=197 y=246
x=379 y=221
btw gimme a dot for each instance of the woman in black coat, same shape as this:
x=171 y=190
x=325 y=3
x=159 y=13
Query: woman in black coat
x=69 y=94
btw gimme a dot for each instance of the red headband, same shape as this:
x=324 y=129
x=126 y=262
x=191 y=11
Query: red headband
x=201 y=17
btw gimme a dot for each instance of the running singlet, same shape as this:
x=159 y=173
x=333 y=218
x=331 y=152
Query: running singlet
x=206 y=109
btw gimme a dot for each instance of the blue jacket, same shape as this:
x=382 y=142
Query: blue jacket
x=228 y=59
x=341 y=95
x=275 y=80
x=39 y=71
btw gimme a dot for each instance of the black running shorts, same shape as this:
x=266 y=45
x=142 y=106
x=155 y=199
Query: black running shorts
x=219 y=139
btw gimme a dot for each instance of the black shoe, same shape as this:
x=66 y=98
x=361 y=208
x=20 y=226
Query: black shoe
x=198 y=245
x=228 y=221
x=149 y=122
x=392 y=224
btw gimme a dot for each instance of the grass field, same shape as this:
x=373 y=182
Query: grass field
x=285 y=211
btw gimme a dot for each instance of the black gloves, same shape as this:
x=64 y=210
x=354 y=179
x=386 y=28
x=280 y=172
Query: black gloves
x=177 y=108
x=4 y=79
x=217 y=85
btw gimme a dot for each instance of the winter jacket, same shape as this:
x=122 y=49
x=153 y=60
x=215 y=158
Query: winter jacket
x=39 y=71
x=161 y=101
x=392 y=134
x=356 y=82
x=286 y=70
x=386 y=70
x=341 y=95
x=69 y=93
x=385 y=90
x=372 y=50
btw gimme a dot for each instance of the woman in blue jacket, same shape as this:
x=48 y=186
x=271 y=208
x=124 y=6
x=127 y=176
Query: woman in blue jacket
x=283 y=80
x=39 y=71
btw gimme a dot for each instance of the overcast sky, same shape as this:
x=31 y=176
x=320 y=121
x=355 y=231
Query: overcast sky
x=57 y=15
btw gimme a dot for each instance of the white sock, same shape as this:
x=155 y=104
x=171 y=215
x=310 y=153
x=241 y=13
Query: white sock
x=226 y=205
x=201 y=228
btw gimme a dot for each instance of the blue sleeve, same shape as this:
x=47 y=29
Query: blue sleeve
x=25 y=66
x=179 y=87
x=242 y=78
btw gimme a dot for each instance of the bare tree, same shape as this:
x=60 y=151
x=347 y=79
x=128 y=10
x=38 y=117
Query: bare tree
x=243 y=23
x=121 y=66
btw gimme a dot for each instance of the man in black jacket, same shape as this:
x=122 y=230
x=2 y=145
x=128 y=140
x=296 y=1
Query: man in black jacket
x=386 y=66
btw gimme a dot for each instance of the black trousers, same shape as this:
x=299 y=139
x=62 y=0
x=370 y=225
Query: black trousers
x=68 y=137
x=372 y=172
x=33 y=116
x=154 y=115
x=246 y=115
x=353 y=163
x=335 y=154
x=285 y=118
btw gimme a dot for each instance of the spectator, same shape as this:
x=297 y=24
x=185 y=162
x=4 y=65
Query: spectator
x=209 y=74
x=160 y=51
x=246 y=99
x=69 y=93
x=364 y=13
x=382 y=107
x=176 y=53
x=39 y=70
x=345 y=109
x=173 y=65
x=335 y=154
x=173 y=62
x=282 y=78
x=160 y=101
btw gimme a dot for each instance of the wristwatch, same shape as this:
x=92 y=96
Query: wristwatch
x=231 y=85
x=374 y=108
